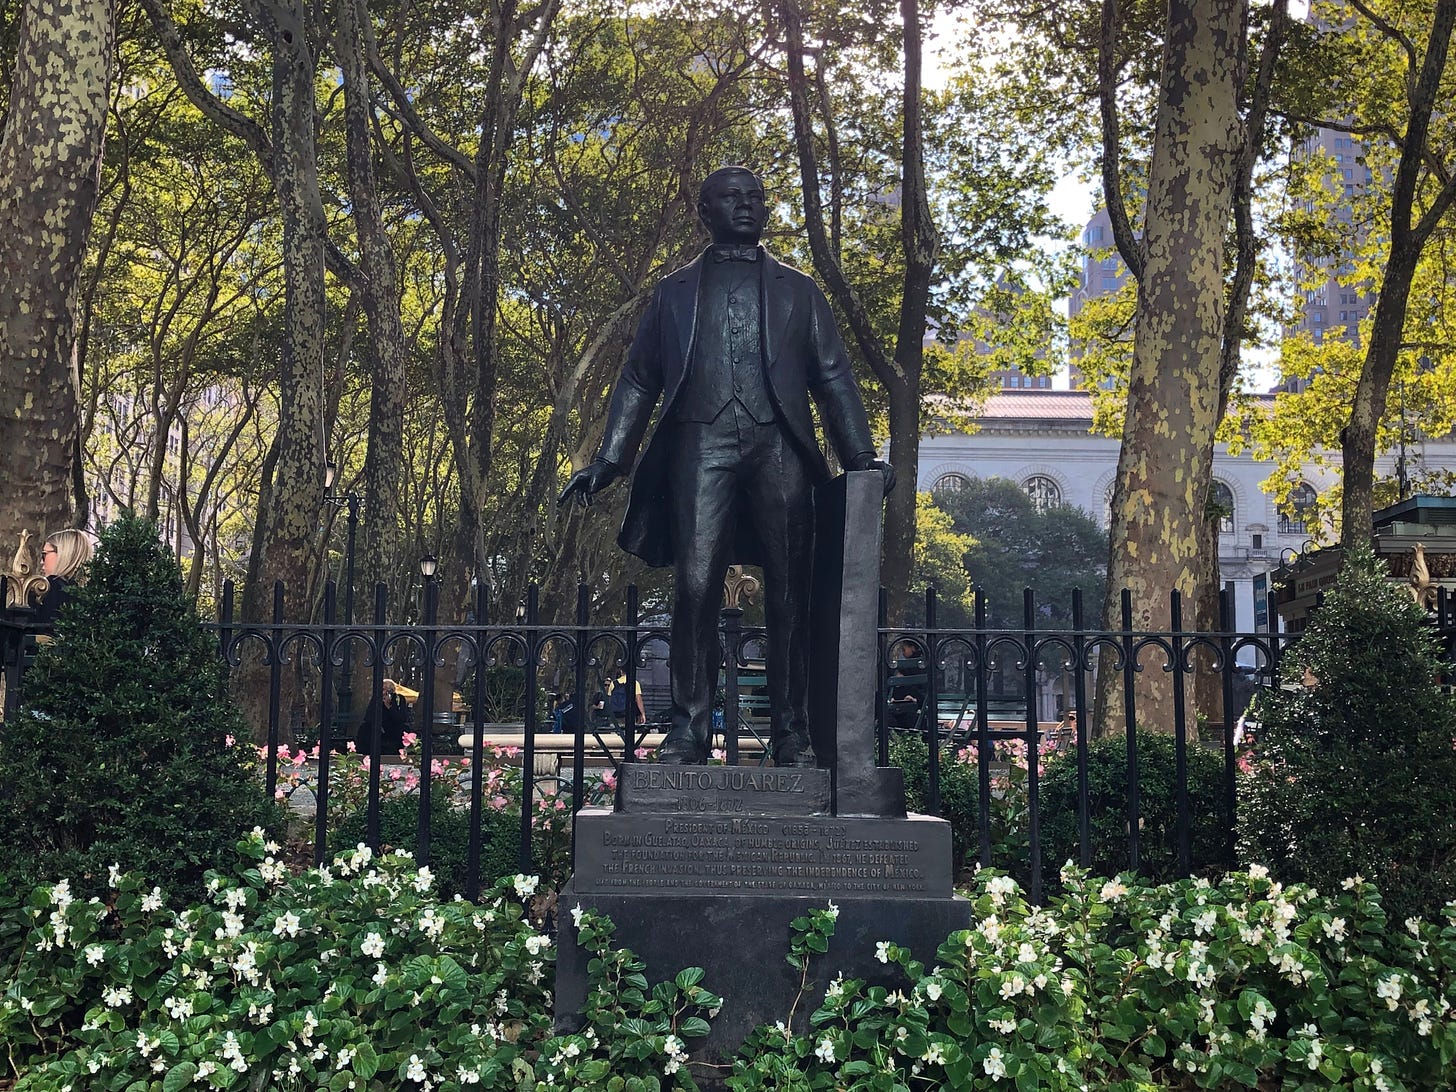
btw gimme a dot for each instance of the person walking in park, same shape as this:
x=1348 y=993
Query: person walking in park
x=394 y=721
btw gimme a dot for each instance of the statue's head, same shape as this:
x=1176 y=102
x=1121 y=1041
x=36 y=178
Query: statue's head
x=731 y=205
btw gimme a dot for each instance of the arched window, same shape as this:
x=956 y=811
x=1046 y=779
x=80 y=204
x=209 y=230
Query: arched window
x=1302 y=500
x=950 y=483
x=1221 y=506
x=1043 y=491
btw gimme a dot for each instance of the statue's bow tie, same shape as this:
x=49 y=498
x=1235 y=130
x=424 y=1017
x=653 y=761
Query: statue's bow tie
x=735 y=254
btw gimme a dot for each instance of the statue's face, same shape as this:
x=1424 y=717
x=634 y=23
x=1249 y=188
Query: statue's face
x=733 y=208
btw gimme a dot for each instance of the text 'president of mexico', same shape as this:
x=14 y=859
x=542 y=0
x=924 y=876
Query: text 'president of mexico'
x=738 y=342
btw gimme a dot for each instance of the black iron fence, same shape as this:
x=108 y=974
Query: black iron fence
x=966 y=695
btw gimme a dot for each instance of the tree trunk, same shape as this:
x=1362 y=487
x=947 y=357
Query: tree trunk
x=50 y=161
x=1407 y=240
x=901 y=373
x=1167 y=448
x=290 y=517
x=378 y=286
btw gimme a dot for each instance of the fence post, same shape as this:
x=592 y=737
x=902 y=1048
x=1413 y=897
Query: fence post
x=882 y=724
x=376 y=716
x=275 y=687
x=528 y=751
x=327 y=641
x=983 y=732
x=1230 y=758
x=1129 y=700
x=1180 y=737
x=1033 y=743
x=633 y=642
x=427 y=726
x=481 y=637
x=932 y=705
x=731 y=630
x=1079 y=702
x=578 y=745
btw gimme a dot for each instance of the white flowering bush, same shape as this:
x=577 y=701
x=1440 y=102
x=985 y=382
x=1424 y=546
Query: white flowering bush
x=1244 y=983
x=632 y=1036
x=354 y=976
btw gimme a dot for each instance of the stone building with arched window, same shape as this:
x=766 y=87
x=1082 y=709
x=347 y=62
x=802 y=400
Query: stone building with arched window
x=1042 y=441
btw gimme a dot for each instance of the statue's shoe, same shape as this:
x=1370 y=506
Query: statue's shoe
x=793 y=749
x=682 y=751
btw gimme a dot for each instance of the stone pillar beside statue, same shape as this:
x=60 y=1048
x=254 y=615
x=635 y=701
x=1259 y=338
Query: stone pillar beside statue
x=707 y=865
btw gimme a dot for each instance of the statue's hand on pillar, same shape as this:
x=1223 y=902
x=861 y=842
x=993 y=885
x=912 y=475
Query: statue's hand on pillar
x=866 y=460
x=588 y=481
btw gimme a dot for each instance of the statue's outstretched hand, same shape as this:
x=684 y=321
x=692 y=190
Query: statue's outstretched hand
x=589 y=480
x=867 y=461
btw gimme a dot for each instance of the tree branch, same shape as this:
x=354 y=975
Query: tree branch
x=1122 y=233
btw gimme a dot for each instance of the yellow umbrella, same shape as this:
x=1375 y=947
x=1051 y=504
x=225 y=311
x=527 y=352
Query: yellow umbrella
x=406 y=693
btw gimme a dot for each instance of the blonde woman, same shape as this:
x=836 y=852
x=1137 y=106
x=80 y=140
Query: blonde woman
x=62 y=558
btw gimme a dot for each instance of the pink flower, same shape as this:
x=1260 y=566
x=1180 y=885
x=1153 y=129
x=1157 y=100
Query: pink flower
x=278 y=794
x=720 y=755
x=640 y=753
x=315 y=753
x=352 y=748
x=229 y=740
x=409 y=739
x=299 y=759
x=498 y=802
x=609 y=779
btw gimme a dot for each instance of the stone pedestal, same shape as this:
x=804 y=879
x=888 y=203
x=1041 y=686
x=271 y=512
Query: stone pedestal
x=705 y=866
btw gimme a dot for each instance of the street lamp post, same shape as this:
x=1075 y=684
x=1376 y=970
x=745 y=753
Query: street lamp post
x=351 y=501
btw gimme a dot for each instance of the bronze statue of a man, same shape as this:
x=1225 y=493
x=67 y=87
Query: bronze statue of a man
x=735 y=343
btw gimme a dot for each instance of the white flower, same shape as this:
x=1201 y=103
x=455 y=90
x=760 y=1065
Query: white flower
x=1205 y=921
x=1354 y=881
x=372 y=946
x=95 y=954
x=431 y=925
x=1334 y=928
x=423 y=879
x=286 y=925
x=116 y=996
x=61 y=895
x=1026 y=953
x=932 y=989
x=415 y=1070
x=934 y=1055
x=882 y=951
x=537 y=943
x=381 y=976
x=833 y=912
x=1012 y=985
x=113 y=876
x=825 y=1050
x=152 y=901
x=1005 y=1027
x=1389 y=988
x=232 y=1053
x=998 y=887
x=994 y=1064
x=467 y=1076
x=1112 y=890
x=525 y=886
x=576 y=915
x=1258 y=872
x=677 y=1053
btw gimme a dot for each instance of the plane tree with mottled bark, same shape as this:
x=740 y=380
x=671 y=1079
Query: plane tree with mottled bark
x=50 y=155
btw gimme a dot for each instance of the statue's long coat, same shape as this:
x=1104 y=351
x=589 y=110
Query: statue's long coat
x=803 y=355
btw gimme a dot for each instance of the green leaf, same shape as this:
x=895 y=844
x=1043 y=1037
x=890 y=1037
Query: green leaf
x=179 y=1076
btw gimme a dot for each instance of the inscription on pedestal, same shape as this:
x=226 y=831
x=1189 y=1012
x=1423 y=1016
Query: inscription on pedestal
x=722 y=790
x=808 y=855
